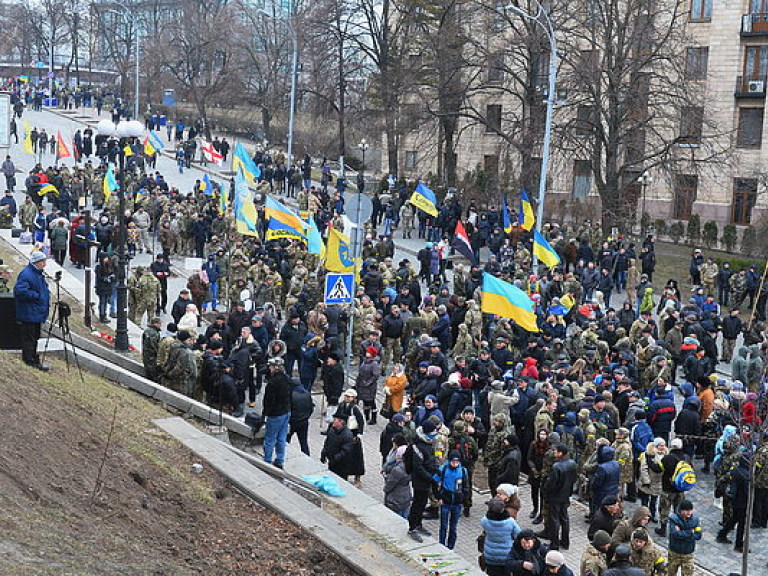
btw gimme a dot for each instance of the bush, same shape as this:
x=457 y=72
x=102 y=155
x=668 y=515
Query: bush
x=693 y=230
x=730 y=238
x=676 y=232
x=660 y=226
x=749 y=241
x=709 y=236
x=736 y=262
x=645 y=222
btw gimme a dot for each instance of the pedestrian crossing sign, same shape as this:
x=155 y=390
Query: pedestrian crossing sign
x=338 y=288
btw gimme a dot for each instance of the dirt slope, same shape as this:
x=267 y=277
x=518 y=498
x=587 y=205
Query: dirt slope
x=144 y=513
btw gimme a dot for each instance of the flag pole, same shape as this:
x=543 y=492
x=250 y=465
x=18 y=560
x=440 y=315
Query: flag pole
x=757 y=296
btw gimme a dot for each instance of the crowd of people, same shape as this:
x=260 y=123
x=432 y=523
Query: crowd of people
x=615 y=399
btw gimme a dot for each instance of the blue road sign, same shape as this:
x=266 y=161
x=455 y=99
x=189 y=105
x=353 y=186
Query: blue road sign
x=338 y=288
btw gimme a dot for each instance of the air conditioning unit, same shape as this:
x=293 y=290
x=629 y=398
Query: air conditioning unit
x=756 y=86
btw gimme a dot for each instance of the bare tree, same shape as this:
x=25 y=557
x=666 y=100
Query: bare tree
x=628 y=94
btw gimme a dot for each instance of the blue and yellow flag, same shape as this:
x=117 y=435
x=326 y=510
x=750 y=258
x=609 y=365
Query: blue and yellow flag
x=338 y=257
x=424 y=199
x=245 y=211
x=508 y=301
x=543 y=251
x=154 y=141
x=277 y=229
x=48 y=189
x=241 y=160
x=109 y=184
x=527 y=219
x=505 y=218
x=127 y=150
x=206 y=186
x=149 y=150
x=280 y=212
x=314 y=240
x=223 y=199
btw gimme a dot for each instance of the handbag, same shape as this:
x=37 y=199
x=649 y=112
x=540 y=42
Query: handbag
x=352 y=422
x=386 y=410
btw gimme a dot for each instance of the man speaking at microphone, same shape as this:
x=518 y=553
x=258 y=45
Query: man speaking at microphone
x=32 y=302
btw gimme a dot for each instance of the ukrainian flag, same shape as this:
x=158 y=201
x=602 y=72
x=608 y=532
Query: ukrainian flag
x=527 y=219
x=507 y=221
x=337 y=256
x=149 y=150
x=109 y=184
x=223 y=199
x=48 y=189
x=543 y=251
x=424 y=199
x=127 y=150
x=241 y=160
x=277 y=229
x=314 y=240
x=154 y=141
x=508 y=301
x=245 y=211
x=280 y=212
x=206 y=186
x=28 y=138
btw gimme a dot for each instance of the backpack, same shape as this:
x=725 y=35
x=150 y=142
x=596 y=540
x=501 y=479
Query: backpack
x=640 y=441
x=462 y=446
x=683 y=478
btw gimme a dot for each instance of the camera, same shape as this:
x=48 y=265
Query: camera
x=57 y=276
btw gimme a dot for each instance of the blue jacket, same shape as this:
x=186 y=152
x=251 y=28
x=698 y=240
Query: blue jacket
x=453 y=483
x=606 y=479
x=32 y=296
x=499 y=536
x=213 y=271
x=683 y=534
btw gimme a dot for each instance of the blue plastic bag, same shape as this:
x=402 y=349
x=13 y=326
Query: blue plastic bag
x=325 y=484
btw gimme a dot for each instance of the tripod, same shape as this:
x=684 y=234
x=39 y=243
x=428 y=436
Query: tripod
x=60 y=318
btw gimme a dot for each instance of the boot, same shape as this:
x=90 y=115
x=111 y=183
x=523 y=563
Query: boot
x=239 y=411
x=367 y=413
x=661 y=529
x=372 y=421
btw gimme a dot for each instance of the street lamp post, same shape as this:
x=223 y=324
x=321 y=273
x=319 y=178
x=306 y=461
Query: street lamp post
x=361 y=174
x=544 y=21
x=135 y=19
x=645 y=180
x=294 y=77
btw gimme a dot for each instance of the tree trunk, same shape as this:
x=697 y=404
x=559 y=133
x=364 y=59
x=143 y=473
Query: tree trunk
x=266 y=123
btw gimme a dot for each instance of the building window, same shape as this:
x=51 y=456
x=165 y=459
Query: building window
x=686 y=188
x=496 y=68
x=744 y=199
x=691 y=125
x=755 y=62
x=750 y=133
x=701 y=10
x=410 y=159
x=696 y=63
x=582 y=178
x=585 y=120
x=493 y=118
x=491 y=169
x=498 y=18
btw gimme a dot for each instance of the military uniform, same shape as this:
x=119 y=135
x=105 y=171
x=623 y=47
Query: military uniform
x=5 y=278
x=148 y=296
x=593 y=562
x=493 y=453
x=180 y=371
x=649 y=559
x=708 y=272
x=150 y=344
x=134 y=292
x=738 y=289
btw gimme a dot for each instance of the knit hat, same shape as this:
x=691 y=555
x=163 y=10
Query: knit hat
x=601 y=539
x=554 y=558
x=372 y=351
x=37 y=256
x=554 y=438
x=507 y=489
x=428 y=427
x=351 y=392
x=459 y=426
x=397 y=417
x=640 y=534
x=430 y=397
x=183 y=335
x=676 y=444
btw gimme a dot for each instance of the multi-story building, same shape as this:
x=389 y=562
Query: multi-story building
x=725 y=56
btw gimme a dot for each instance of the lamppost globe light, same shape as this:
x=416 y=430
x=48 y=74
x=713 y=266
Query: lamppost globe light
x=106 y=127
x=135 y=128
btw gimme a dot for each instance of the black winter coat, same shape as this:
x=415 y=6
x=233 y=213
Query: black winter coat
x=277 y=395
x=293 y=336
x=509 y=467
x=423 y=465
x=338 y=450
x=301 y=403
x=559 y=485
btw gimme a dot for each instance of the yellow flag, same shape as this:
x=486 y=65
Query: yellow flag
x=337 y=254
x=27 y=138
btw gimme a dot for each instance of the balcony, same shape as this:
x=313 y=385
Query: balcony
x=750 y=87
x=755 y=24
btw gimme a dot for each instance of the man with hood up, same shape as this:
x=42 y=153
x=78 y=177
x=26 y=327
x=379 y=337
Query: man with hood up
x=605 y=482
x=421 y=464
x=739 y=365
x=622 y=534
x=527 y=555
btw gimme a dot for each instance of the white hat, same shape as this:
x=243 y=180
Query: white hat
x=37 y=256
x=351 y=392
x=676 y=444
